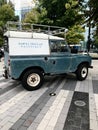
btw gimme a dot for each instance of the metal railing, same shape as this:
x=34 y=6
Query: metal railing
x=50 y=30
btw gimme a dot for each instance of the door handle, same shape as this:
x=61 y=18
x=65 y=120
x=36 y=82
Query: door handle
x=45 y=58
x=53 y=61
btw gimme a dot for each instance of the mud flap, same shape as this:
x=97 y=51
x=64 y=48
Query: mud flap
x=5 y=74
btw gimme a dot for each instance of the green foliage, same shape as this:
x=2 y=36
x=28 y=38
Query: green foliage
x=62 y=12
x=55 y=10
x=37 y=15
x=43 y=17
x=93 y=5
x=66 y=13
x=96 y=36
x=73 y=14
x=32 y=17
x=75 y=35
x=6 y=14
x=2 y=2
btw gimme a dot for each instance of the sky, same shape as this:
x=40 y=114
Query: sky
x=22 y=3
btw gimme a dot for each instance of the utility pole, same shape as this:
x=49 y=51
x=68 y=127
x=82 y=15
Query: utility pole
x=89 y=37
x=89 y=32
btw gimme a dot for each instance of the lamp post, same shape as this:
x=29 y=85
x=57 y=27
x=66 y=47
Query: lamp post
x=89 y=32
x=89 y=38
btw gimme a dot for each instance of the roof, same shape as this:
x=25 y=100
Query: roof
x=21 y=34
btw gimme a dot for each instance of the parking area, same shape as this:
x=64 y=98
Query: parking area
x=62 y=103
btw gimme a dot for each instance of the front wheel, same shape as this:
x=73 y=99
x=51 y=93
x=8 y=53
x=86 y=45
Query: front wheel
x=32 y=79
x=82 y=72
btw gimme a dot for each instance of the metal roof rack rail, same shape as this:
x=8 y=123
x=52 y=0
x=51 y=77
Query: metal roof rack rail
x=39 y=28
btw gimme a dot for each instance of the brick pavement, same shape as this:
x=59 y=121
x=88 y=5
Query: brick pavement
x=37 y=110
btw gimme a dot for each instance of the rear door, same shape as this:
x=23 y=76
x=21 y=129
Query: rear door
x=6 y=52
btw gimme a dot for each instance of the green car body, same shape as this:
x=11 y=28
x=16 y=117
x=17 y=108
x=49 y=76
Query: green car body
x=30 y=59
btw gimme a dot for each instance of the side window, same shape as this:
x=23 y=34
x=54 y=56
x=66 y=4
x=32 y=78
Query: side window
x=6 y=47
x=58 y=46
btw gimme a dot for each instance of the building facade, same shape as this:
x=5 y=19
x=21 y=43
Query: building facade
x=22 y=7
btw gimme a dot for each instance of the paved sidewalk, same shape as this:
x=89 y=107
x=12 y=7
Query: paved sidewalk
x=38 y=110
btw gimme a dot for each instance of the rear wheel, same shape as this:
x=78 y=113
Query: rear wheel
x=32 y=79
x=82 y=72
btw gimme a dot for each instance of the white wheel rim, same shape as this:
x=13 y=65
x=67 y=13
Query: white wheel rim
x=84 y=72
x=33 y=80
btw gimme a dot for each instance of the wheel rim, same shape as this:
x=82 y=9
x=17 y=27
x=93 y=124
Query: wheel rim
x=84 y=72
x=33 y=80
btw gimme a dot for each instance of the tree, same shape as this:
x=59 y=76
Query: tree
x=66 y=13
x=75 y=35
x=95 y=36
x=32 y=16
x=2 y=2
x=62 y=12
x=55 y=10
x=93 y=4
x=6 y=14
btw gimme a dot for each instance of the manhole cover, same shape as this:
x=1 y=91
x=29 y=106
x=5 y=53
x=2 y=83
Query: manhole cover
x=80 y=103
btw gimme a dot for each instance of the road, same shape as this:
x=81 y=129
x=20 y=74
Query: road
x=49 y=108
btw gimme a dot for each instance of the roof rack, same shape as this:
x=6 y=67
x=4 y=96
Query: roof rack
x=27 y=27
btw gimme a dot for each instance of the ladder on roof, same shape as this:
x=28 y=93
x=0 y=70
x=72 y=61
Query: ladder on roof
x=38 y=28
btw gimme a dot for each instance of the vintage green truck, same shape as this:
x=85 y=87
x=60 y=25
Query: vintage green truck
x=31 y=55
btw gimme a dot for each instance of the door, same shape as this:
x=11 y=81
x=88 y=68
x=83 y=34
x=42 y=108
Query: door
x=60 y=59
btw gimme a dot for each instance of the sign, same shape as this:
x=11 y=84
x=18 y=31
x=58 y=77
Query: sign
x=19 y=46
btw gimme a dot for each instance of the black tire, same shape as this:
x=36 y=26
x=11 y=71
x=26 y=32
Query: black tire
x=82 y=72
x=32 y=79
